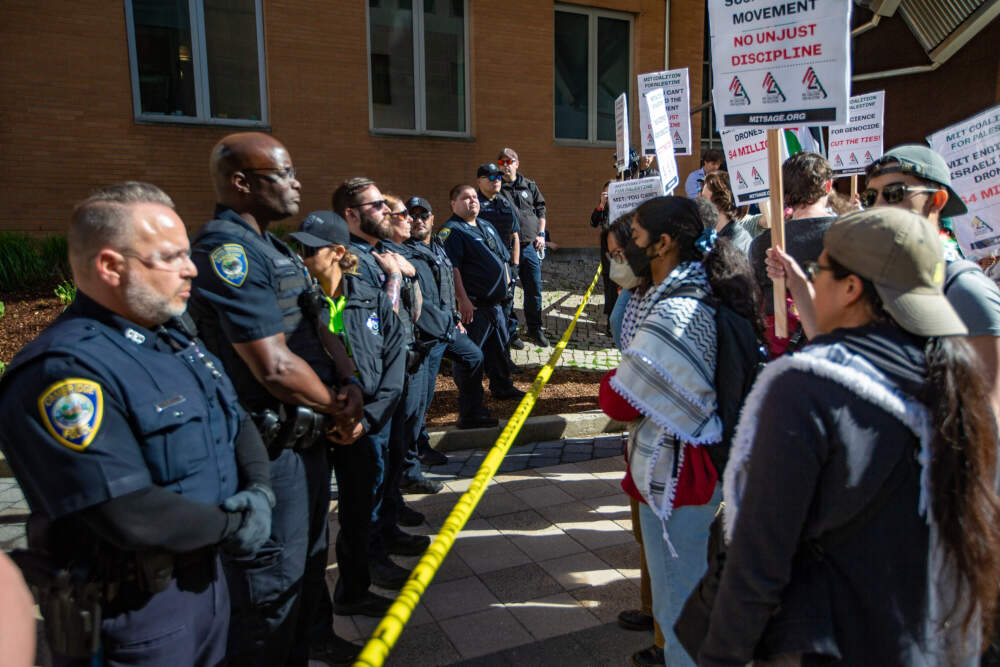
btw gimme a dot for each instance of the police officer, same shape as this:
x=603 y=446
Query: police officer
x=477 y=252
x=440 y=322
x=130 y=445
x=361 y=204
x=362 y=316
x=248 y=303
x=524 y=194
x=497 y=210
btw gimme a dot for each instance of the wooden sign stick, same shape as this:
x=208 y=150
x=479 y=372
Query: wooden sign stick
x=854 y=185
x=777 y=227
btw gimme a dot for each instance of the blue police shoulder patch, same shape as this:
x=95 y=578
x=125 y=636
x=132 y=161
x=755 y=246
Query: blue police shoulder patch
x=229 y=261
x=373 y=323
x=72 y=410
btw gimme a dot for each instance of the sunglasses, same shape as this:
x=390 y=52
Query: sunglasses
x=399 y=215
x=893 y=193
x=493 y=177
x=420 y=216
x=306 y=251
x=506 y=161
x=378 y=203
x=286 y=173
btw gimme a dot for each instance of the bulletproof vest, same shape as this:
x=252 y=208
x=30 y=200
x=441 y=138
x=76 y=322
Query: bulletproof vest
x=406 y=294
x=446 y=285
x=183 y=412
x=436 y=260
x=291 y=281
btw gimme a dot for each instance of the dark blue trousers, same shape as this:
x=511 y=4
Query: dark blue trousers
x=467 y=369
x=488 y=330
x=530 y=273
x=356 y=469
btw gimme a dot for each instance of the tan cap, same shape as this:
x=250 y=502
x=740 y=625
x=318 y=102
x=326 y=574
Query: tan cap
x=507 y=153
x=900 y=253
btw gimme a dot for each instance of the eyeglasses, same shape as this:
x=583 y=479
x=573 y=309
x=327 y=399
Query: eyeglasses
x=892 y=193
x=505 y=161
x=378 y=203
x=399 y=215
x=813 y=269
x=284 y=173
x=174 y=262
x=420 y=216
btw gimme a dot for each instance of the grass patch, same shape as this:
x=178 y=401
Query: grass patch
x=27 y=262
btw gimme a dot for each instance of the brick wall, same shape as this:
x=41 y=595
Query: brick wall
x=67 y=126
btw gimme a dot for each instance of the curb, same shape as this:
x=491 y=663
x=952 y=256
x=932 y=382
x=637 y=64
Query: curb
x=535 y=429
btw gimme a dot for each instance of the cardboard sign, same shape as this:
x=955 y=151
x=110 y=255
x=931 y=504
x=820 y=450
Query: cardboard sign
x=859 y=143
x=746 y=160
x=972 y=150
x=677 y=97
x=626 y=196
x=659 y=120
x=780 y=63
x=621 y=132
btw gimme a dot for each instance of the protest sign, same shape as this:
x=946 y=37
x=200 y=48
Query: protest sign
x=626 y=196
x=971 y=149
x=621 y=133
x=857 y=144
x=780 y=63
x=656 y=111
x=746 y=160
x=677 y=97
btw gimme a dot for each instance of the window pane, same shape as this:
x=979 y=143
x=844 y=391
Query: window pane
x=571 y=75
x=444 y=65
x=612 y=72
x=163 y=57
x=233 y=72
x=391 y=36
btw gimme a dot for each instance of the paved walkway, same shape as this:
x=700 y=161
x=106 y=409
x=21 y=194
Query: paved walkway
x=538 y=574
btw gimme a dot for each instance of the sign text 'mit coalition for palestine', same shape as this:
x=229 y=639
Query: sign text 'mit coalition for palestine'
x=774 y=11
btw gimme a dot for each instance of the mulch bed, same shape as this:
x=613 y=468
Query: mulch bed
x=567 y=391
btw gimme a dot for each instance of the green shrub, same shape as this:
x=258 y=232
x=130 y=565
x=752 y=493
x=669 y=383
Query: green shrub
x=3 y=309
x=54 y=253
x=21 y=264
x=66 y=291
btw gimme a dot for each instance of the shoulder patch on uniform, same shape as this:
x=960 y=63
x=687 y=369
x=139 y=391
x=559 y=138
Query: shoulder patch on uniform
x=443 y=234
x=72 y=410
x=373 y=323
x=229 y=261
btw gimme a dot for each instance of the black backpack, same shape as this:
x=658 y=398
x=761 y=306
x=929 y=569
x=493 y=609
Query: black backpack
x=739 y=359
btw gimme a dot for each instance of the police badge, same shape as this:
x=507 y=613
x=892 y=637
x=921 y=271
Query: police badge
x=229 y=261
x=71 y=411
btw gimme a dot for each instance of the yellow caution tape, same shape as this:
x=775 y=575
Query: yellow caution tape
x=387 y=633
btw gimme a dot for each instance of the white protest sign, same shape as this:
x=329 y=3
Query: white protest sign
x=746 y=160
x=779 y=63
x=626 y=196
x=859 y=143
x=659 y=120
x=677 y=97
x=971 y=149
x=621 y=132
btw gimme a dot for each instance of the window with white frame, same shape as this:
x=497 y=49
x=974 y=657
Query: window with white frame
x=593 y=66
x=197 y=61
x=418 y=66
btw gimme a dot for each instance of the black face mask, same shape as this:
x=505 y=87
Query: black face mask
x=638 y=260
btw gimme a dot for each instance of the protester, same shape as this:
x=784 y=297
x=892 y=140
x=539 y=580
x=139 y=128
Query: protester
x=643 y=166
x=916 y=178
x=711 y=160
x=476 y=251
x=360 y=202
x=666 y=382
x=875 y=539
x=523 y=193
x=464 y=354
x=718 y=191
x=110 y=416
x=246 y=304
x=616 y=237
x=348 y=307
x=808 y=182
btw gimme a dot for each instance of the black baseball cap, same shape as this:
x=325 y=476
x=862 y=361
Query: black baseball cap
x=488 y=169
x=322 y=228
x=418 y=202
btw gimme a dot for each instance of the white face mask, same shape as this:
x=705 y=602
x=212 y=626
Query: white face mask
x=621 y=273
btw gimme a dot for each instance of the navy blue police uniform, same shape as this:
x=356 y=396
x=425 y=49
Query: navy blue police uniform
x=500 y=213
x=125 y=441
x=477 y=252
x=251 y=286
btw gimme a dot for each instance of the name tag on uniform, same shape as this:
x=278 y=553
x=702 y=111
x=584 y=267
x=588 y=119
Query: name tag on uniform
x=169 y=403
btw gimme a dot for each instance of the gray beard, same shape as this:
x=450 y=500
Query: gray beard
x=149 y=304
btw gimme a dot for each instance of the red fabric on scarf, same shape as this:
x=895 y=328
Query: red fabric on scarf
x=612 y=403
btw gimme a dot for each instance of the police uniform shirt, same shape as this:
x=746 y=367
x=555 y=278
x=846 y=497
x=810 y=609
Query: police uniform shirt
x=434 y=274
x=98 y=407
x=500 y=213
x=240 y=283
x=368 y=269
x=471 y=251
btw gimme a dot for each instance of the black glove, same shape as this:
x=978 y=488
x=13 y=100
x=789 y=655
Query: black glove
x=255 y=504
